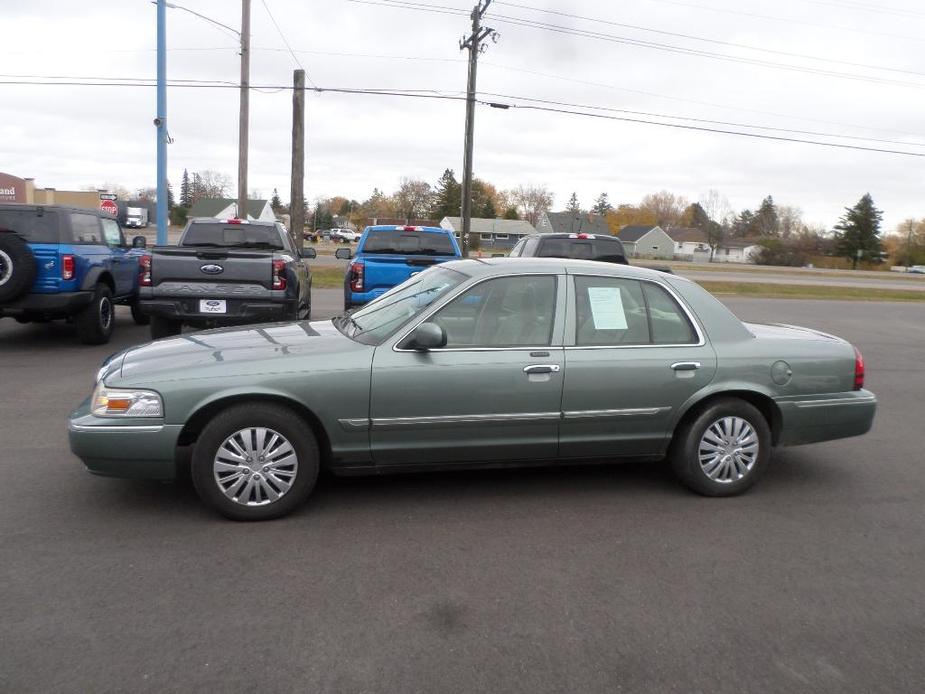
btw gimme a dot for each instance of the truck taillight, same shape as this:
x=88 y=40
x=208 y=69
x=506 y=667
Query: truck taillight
x=858 y=369
x=144 y=271
x=356 y=275
x=279 y=274
x=67 y=267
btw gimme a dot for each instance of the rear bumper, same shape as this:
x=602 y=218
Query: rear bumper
x=358 y=298
x=60 y=303
x=810 y=419
x=238 y=311
x=120 y=448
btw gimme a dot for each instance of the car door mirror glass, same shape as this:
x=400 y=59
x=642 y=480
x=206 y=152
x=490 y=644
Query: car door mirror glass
x=424 y=337
x=343 y=254
x=139 y=242
x=308 y=253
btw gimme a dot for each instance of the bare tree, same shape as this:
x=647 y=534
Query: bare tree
x=721 y=216
x=667 y=208
x=532 y=200
x=789 y=220
x=214 y=184
x=413 y=198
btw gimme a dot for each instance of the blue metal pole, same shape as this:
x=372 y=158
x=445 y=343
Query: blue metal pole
x=161 y=122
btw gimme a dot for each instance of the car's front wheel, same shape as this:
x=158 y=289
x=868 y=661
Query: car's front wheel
x=723 y=450
x=255 y=462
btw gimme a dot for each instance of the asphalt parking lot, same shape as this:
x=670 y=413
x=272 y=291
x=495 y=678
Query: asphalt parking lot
x=584 y=579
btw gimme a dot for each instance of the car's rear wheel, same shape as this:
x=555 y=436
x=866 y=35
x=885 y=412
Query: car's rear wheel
x=723 y=450
x=96 y=321
x=255 y=462
x=164 y=327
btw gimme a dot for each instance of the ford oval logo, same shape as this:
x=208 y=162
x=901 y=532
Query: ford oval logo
x=212 y=269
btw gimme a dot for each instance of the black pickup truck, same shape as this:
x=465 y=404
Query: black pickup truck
x=225 y=272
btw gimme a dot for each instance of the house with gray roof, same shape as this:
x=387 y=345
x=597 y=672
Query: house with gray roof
x=227 y=208
x=502 y=234
x=572 y=223
x=646 y=241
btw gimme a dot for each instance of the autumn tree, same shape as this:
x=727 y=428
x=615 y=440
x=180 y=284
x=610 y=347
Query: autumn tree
x=695 y=216
x=665 y=207
x=532 y=201
x=413 y=198
x=857 y=233
x=790 y=220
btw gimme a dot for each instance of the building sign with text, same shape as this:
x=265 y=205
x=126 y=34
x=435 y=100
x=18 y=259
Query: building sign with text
x=12 y=189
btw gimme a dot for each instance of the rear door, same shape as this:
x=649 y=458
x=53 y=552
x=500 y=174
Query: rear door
x=124 y=264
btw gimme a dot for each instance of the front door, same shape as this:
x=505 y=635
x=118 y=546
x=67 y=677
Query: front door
x=634 y=356
x=492 y=394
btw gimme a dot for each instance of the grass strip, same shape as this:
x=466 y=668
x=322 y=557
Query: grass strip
x=808 y=291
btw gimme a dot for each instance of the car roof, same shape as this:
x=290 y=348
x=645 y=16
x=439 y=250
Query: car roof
x=224 y=220
x=409 y=227
x=578 y=235
x=480 y=267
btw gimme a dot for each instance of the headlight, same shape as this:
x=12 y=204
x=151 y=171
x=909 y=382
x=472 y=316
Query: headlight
x=125 y=402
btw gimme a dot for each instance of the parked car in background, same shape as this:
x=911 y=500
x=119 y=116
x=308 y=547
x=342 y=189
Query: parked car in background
x=344 y=235
x=918 y=269
x=66 y=262
x=388 y=255
x=225 y=272
x=490 y=362
x=606 y=249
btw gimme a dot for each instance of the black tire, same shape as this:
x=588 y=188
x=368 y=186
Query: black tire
x=164 y=327
x=139 y=317
x=239 y=418
x=17 y=266
x=96 y=321
x=685 y=453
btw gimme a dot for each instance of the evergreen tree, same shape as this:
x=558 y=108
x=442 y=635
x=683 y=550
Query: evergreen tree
x=447 y=196
x=573 y=205
x=602 y=205
x=742 y=225
x=275 y=203
x=695 y=216
x=766 y=222
x=185 y=200
x=857 y=234
x=511 y=213
x=170 y=201
x=488 y=210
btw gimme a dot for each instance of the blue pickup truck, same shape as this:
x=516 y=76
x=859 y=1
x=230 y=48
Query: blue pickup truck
x=388 y=255
x=65 y=262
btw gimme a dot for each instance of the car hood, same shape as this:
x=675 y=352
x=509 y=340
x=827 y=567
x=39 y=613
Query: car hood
x=264 y=348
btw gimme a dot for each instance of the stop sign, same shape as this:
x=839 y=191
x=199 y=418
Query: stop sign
x=109 y=207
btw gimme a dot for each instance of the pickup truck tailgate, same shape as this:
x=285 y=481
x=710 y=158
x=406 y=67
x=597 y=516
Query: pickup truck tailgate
x=390 y=270
x=211 y=266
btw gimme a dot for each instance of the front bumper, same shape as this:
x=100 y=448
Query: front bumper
x=237 y=311
x=131 y=448
x=57 y=303
x=810 y=419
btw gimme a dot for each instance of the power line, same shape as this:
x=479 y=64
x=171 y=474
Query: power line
x=865 y=7
x=288 y=47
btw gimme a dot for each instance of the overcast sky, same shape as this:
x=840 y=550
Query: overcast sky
x=71 y=136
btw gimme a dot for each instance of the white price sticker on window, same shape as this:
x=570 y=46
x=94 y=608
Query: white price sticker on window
x=607 y=308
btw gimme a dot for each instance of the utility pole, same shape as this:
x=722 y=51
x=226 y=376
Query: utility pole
x=245 y=106
x=297 y=184
x=160 y=121
x=474 y=43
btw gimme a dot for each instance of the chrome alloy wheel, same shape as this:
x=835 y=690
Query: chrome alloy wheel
x=255 y=466
x=6 y=268
x=728 y=449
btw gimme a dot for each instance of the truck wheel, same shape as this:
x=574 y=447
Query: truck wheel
x=255 y=461
x=139 y=317
x=17 y=266
x=96 y=321
x=164 y=327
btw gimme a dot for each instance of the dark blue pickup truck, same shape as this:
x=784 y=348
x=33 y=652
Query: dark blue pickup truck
x=388 y=255
x=64 y=262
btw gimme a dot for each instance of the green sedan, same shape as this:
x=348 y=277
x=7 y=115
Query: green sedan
x=500 y=362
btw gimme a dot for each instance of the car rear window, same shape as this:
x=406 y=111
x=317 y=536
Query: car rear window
x=232 y=235
x=31 y=226
x=408 y=243
x=604 y=250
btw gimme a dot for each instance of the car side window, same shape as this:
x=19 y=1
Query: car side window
x=503 y=312
x=85 y=228
x=112 y=233
x=670 y=326
x=515 y=251
x=610 y=311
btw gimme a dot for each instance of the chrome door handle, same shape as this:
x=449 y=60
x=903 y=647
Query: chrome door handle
x=541 y=369
x=686 y=365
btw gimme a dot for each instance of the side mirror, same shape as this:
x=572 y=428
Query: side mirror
x=424 y=337
x=343 y=254
x=308 y=253
x=139 y=242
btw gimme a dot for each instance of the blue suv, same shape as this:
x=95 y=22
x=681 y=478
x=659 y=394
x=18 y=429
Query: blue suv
x=64 y=262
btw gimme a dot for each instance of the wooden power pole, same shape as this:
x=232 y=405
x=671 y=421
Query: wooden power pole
x=245 y=106
x=297 y=187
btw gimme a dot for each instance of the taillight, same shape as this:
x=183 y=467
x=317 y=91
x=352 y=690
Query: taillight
x=858 y=369
x=144 y=271
x=233 y=220
x=356 y=275
x=67 y=267
x=279 y=274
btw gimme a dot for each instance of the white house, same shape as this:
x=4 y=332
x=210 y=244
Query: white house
x=737 y=251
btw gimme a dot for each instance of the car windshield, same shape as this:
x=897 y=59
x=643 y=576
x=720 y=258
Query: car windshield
x=232 y=235
x=383 y=316
x=408 y=243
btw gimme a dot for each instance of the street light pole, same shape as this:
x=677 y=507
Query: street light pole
x=245 y=106
x=474 y=43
